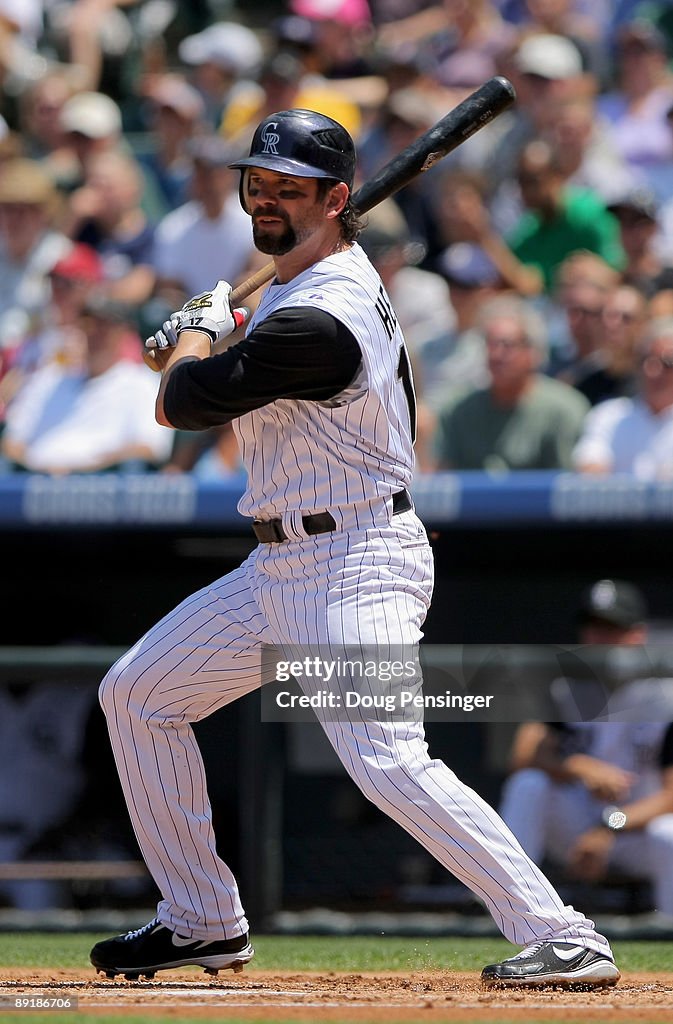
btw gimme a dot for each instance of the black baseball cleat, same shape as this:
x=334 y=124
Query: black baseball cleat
x=554 y=963
x=156 y=948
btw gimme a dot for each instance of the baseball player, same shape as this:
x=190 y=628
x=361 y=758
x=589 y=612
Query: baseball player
x=593 y=795
x=322 y=402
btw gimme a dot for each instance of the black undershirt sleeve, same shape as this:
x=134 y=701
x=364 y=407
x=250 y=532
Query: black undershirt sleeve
x=302 y=353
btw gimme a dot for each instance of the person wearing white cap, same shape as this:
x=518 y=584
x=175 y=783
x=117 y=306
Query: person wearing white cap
x=92 y=125
x=549 y=56
x=545 y=68
x=173 y=112
x=92 y=114
x=224 y=58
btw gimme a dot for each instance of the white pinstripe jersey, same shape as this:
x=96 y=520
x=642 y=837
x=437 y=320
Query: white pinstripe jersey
x=309 y=456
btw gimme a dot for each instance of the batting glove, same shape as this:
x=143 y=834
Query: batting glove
x=166 y=336
x=209 y=312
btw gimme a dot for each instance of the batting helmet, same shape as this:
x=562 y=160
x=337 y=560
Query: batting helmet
x=304 y=144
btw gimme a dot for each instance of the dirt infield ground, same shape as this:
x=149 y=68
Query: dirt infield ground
x=418 y=996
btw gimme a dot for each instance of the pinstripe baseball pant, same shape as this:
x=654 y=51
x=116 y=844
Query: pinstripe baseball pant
x=367 y=586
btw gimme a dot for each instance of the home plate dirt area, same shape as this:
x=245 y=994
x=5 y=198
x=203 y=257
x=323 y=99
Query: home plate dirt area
x=399 y=997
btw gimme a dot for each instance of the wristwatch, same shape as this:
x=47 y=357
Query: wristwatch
x=613 y=818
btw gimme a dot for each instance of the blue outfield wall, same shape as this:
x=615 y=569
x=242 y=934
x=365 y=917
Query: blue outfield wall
x=110 y=553
x=128 y=501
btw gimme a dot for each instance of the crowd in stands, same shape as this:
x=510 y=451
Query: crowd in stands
x=532 y=268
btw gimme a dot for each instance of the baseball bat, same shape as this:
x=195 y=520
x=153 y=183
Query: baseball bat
x=473 y=113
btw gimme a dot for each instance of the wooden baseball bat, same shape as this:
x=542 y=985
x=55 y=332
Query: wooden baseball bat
x=473 y=113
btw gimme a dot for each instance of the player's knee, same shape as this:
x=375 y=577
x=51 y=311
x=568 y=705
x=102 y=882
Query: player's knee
x=105 y=694
x=660 y=831
x=115 y=690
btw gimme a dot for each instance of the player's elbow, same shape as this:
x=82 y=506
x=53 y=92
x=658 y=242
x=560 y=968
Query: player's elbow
x=160 y=415
x=166 y=409
x=163 y=420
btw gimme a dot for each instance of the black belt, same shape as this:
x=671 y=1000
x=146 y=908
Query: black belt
x=270 y=531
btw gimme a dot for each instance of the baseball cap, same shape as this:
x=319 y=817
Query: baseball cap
x=81 y=263
x=211 y=150
x=282 y=66
x=615 y=602
x=641 y=200
x=231 y=46
x=92 y=114
x=467 y=265
x=174 y=92
x=25 y=181
x=291 y=30
x=549 y=56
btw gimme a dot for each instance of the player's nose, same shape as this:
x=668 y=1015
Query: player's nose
x=263 y=194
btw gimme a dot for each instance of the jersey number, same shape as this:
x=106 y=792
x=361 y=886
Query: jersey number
x=404 y=374
x=389 y=321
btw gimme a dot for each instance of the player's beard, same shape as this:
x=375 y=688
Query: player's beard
x=272 y=244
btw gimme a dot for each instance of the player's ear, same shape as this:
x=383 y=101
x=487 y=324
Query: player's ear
x=337 y=197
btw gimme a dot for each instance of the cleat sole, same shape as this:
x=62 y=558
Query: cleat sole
x=577 y=986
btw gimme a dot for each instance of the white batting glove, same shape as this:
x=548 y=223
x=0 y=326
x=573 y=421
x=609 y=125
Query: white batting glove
x=166 y=336
x=209 y=312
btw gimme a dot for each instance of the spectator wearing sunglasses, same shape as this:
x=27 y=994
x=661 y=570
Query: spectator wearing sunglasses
x=522 y=419
x=635 y=435
x=611 y=371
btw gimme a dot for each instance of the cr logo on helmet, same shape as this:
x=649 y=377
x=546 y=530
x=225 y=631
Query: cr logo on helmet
x=270 y=139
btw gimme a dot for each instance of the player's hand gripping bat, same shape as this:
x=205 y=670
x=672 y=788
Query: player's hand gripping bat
x=474 y=112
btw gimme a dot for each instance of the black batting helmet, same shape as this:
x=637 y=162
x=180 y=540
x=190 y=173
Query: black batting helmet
x=304 y=144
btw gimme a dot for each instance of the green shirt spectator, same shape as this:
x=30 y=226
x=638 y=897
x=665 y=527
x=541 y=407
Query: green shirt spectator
x=538 y=432
x=559 y=219
x=581 y=222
